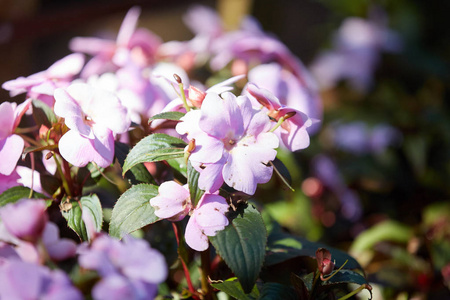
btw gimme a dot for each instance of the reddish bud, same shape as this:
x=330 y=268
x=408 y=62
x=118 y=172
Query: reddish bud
x=177 y=78
x=196 y=96
x=324 y=263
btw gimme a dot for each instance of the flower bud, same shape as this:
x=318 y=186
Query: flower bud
x=196 y=96
x=25 y=219
x=324 y=263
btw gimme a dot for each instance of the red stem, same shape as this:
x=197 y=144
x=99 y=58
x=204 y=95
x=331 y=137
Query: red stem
x=185 y=268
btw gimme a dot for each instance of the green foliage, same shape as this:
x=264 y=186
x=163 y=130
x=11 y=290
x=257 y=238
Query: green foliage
x=16 y=193
x=153 y=148
x=43 y=114
x=242 y=245
x=138 y=173
x=133 y=211
x=91 y=206
x=169 y=115
x=234 y=289
x=194 y=190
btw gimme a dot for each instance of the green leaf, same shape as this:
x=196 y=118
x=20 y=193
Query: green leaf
x=155 y=147
x=138 y=173
x=195 y=192
x=16 y=193
x=385 y=231
x=233 y=288
x=301 y=285
x=179 y=164
x=242 y=245
x=346 y=276
x=283 y=246
x=169 y=115
x=73 y=215
x=274 y=290
x=43 y=114
x=133 y=210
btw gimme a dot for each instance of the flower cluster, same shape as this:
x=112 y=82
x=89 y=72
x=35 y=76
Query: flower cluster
x=91 y=113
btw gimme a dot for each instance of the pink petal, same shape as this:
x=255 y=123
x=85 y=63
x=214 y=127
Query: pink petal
x=172 y=201
x=92 y=46
x=10 y=151
x=6 y=119
x=79 y=150
x=128 y=26
x=66 y=67
x=67 y=108
x=211 y=178
x=194 y=236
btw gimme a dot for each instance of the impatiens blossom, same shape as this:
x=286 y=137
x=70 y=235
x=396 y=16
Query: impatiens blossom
x=25 y=219
x=129 y=270
x=206 y=219
x=94 y=117
x=132 y=46
x=293 y=130
x=172 y=202
x=23 y=280
x=11 y=145
x=357 y=47
x=292 y=91
x=42 y=85
x=232 y=143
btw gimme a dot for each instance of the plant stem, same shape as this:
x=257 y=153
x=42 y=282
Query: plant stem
x=185 y=268
x=362 y=287
x=63 y=177
x=205 y=271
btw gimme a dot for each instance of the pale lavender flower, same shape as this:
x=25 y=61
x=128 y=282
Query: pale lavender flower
x=326 y=170
x=130 y=269
x=293 y=130
x=206 y=220
x=173 y=201
x=357 y=47
x=43 y=84
x=232 y=143
x=132 y=46
x=358 y=138
x=94 y=117
x=11 y=145
x=25 y=219
x=294 y=92
x=22 y=280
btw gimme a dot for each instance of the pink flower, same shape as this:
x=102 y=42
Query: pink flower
x=296 y=92
x=94 y=117
x=293 y=130
x=43 y=84
x=173 y=201
x=11 y=145
x=207 y=219
x=233 y=144
x=131 y=46
x=25 y=219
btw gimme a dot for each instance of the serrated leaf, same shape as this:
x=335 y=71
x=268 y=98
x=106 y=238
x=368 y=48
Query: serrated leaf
x=233 y=288
x=169 y=115
x=138 y=173
x=133 y=210
x=274 y=290
x=192 y=177
x=74 y=220
x=283 y=246
x=73 y=215
x=16 y=193
x=242 y=245
x=43 y=114
x=155 y=147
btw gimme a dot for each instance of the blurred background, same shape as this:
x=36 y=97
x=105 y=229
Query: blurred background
x=375 y=179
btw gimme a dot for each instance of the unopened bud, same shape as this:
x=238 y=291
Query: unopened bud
x=196 y=96
x=48 y=155
x=177 y=78
x=191 y=146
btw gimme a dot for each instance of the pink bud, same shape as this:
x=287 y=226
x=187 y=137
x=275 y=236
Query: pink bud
x=196 y=96
x=324 y=263
x=25 y=219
